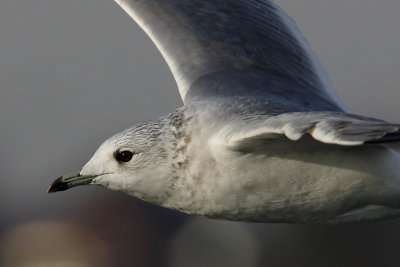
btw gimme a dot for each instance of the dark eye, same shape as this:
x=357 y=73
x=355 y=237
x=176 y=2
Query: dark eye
x=124 y=156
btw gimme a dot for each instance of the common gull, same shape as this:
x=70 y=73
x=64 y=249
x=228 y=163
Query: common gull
x=262 y=135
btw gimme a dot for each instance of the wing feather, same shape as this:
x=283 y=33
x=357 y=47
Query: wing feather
x=254 y=39
x=329 y=128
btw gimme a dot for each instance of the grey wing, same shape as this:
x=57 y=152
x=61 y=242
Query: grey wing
x=325 y=127
x=235 y=47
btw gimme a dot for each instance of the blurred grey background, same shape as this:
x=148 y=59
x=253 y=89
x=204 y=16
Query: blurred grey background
x=73 y=73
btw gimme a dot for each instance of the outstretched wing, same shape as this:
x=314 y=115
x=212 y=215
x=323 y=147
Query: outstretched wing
x=325 y=127
x=233 y=47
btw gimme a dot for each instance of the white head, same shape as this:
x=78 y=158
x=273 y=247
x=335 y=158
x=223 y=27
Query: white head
x=134 y=161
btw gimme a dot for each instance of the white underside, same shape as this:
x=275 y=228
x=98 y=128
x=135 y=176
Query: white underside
x=331 y=184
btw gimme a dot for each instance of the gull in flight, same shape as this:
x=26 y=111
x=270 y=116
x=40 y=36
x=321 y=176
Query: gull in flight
x=262 y=135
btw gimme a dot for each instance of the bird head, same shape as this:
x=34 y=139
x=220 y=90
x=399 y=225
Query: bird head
x=133 y=161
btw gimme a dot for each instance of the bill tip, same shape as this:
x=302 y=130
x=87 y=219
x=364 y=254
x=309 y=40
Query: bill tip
x=57 y=185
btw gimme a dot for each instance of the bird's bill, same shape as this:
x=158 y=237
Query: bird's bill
x=68 y=181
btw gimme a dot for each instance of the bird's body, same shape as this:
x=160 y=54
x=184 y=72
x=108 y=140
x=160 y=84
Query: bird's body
x=284 y=181
x=283 y=184
x=261 y=137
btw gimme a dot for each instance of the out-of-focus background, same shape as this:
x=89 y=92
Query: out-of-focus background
x=73 y=73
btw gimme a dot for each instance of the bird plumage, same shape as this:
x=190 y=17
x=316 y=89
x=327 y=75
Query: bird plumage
x=262 y=135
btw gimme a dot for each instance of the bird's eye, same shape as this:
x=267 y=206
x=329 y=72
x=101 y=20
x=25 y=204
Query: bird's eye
x=124 y=156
